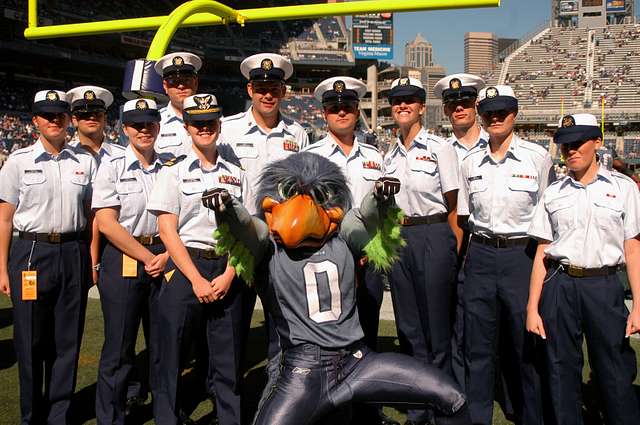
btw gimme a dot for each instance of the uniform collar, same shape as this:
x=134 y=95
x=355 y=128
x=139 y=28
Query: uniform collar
x=483 y=138
x=514 y=151
x=333 y=146
x=193 y=162
x=169 y=114
x=420 y=141
x=39 y=151
x=252 y=126
x=131 y=161
x=602 y=174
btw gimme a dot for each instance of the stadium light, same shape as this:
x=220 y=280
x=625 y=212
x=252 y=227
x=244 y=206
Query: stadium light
x=208 y=12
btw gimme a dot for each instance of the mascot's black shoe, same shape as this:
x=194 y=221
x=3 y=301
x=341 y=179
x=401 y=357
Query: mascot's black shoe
x=184 y=419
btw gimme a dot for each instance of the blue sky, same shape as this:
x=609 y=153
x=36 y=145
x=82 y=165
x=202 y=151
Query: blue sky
x=445 y=29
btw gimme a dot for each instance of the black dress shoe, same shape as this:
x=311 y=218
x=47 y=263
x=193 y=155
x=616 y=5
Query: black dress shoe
x=134 y=403
x=387 y=420
x=184 y=419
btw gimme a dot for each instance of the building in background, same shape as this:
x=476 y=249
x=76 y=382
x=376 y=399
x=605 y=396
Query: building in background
x=591 y=13
x=418 y=53
x=480 y=52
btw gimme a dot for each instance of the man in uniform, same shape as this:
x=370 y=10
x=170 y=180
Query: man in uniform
x=179 y=73
x=45 y=195
x=261 y=135
x=361 y=163
x=459 y=93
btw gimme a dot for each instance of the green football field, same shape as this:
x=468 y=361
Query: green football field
x=199 y=408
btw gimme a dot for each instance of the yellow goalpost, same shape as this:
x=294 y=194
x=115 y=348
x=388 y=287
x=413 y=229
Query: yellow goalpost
x=209 y=12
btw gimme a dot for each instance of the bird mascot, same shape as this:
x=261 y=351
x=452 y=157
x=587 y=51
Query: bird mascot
x=306 y=245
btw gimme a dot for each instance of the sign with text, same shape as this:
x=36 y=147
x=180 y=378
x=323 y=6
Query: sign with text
x=372 y=36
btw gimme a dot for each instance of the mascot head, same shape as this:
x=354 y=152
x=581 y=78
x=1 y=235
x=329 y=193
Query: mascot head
x=303 y=198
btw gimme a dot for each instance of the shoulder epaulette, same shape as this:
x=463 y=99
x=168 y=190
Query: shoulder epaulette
x=173 y=161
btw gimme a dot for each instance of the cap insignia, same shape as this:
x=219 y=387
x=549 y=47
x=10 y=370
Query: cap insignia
x=455 y=84
x=404 y=81
x=52 y=96
x=142 y=104
x=178 y=61
x=266 y=64
x=568 y=121
x=338 y=86
x=492 y=92
x=203 y=102
x=89 y=95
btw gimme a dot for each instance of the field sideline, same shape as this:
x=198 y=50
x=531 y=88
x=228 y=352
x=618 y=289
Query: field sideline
x=200 y=409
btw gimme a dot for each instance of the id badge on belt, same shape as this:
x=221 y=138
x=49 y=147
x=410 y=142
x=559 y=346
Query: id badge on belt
x=30 y=280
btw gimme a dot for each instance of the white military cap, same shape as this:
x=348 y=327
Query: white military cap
x=407 y=86
x=201 y=107
x=50 y=101
x=266 y=66
x=497 y=98
x=178 y=63
x=458 y=87
x=339 y=89
x=140 y=110
x=89 y=99
x=577 y=128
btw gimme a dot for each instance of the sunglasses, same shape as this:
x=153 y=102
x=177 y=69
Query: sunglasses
x=210 y=124
x=501 y=114
x=336 y=107
x=52 y=116
x=141 y=125
x=465 y=103
x=573 y=146
x=176 y=80
x=264 y=88
x=88 y=115
x=407 y=100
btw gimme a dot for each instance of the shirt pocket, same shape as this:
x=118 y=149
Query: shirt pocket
x=477 y=190
x=246 y=151
x=424 y=176
x=523 y=197
x=128 y=187
x=608 y=213
x=168 y=140
x=33 y=188
x=191 y=198
x=561 y=213
x=371 y=174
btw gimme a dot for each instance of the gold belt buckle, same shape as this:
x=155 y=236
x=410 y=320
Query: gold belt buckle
x=54 y=237
x=575 y=271
x=146 y=239
x=404 y=221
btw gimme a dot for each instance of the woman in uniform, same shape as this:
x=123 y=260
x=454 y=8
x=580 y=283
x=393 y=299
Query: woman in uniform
x=133 y=259
x=423 y=280
x=587 y=225
x=199 y=293
x=500 y=186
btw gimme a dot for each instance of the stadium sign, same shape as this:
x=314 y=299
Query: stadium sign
x=615 y=6
x=372 y=36
x=568 y=7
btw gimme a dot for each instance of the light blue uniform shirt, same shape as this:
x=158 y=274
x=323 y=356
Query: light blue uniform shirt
x=425 y=172
x=255 y=148
x=587 y=225
x=124 y=184
x=362 y=167
x=173 y=137
x=499 y=196
x=107 y=150
x=178 y=190
x=49 y=192
x=462 y=150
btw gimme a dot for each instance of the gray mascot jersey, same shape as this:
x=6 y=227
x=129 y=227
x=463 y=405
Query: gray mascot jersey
x=311 y=295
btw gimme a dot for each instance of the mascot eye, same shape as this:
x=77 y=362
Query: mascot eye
x=287 y=189
x=321 y=195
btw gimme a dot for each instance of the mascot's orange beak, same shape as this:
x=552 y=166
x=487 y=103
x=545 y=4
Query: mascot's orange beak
x=299 y=221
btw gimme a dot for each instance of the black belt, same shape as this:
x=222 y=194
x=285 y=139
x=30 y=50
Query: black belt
x=425 y=219
x=208 y=254
x=575 y=271
x=499 y=242
x=148 y=240
x=51 y=237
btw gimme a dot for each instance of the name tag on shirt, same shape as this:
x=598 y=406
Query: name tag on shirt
x=128 y=179
x=32 y=171
x=194 y=180
x=226 y=179
x=29 y=285
x=525 y=176
x=168 y=135
x=474 y=178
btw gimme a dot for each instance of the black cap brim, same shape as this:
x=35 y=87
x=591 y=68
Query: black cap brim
x=208 y=116
x=50 y=107
x=464 y=93
x=344 y=96
x=139 y=116
x=178 y=70
x=273 y=74
x=88 y=106
x=400 y=91
x=498 y=103
x=576 y=133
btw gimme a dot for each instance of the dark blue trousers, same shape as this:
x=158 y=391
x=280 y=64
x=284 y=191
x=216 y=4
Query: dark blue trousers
x=125 y=303
x=181 y=319
x=593 y=307
x=47 y=332
x=496 y=290
x=422 y=283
